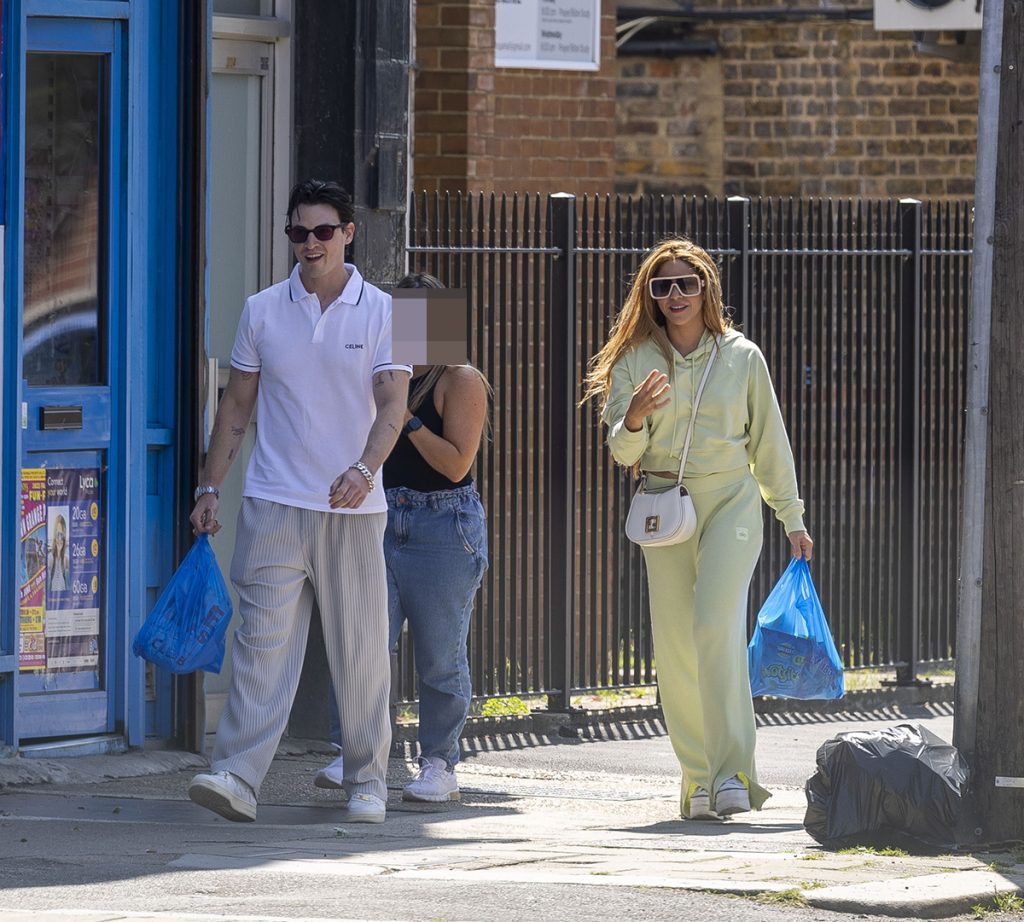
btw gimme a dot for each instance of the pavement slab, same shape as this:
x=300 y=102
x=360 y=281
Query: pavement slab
x=86 y=915
x=90 y=770
x=925 y=897
x=579 y=815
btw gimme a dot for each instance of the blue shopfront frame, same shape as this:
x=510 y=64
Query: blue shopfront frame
x=143 y=286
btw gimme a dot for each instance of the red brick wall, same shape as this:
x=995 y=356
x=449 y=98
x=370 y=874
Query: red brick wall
x=799 y=109
x=669 y=125
x=784 y=108
x=480 y=128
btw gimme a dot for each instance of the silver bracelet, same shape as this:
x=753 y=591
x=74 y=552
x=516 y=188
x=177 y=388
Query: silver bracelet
x=365 y=471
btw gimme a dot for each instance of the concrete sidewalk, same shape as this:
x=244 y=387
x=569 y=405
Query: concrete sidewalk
x=532 y=811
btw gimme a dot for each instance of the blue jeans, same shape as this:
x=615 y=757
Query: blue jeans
x=435 y=549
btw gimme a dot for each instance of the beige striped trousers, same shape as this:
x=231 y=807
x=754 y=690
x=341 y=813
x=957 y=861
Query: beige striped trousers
x=285 y=559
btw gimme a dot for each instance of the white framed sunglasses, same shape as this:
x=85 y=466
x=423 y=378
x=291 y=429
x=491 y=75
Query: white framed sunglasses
x=688 y=286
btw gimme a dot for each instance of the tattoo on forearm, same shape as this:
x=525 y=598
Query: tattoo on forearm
x=238 y=431
x=231 y=455
x=393 y=428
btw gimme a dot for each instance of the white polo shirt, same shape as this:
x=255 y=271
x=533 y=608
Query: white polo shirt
x=315 y=403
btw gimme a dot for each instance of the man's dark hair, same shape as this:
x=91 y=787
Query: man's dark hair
x=319 y=192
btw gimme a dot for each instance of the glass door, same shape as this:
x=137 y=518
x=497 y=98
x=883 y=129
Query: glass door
x=72 y=477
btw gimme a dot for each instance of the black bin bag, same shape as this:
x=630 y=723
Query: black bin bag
x=895 y=786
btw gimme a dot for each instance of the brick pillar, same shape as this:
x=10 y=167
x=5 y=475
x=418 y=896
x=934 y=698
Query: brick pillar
x=453 y=96
x=480 y=128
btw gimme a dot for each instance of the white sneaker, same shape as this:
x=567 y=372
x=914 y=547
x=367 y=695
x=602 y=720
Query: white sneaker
x=733 y=796
x=697 y=805
x=435 y=782
x=331 y=776
x=365 y=808
x=225 y=794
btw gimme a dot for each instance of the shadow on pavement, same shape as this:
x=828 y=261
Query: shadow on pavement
x=892 y=712
x=607 y=727
x=54 y=840
x=710 y=828
x=611 y=730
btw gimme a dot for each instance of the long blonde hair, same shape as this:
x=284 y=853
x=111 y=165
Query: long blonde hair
x=640 y=319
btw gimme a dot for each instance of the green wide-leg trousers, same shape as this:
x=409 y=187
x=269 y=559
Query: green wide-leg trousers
x=698 y=592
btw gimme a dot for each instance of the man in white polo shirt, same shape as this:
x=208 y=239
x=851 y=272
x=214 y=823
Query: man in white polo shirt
x=313 y=356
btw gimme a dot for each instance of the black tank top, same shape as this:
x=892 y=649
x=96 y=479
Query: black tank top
x=406 y=467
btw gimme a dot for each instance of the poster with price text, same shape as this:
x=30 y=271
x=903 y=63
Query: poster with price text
x=32 y=589
x=71 y=622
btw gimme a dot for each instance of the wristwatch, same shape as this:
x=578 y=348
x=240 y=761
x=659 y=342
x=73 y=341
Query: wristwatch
x=205 y=488
x=414 y=423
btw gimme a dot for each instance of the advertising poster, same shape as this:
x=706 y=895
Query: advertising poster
x=60 y=569
x=32 y=595
x=551 y=34
x=72 y=621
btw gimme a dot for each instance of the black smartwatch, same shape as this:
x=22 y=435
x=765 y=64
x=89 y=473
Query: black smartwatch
x=414 y=423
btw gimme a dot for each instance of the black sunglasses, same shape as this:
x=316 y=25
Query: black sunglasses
x=299 y=234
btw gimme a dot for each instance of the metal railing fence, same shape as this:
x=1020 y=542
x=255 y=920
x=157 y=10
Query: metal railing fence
x=860 y=309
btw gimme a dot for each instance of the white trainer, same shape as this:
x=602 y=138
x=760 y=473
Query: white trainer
x=733 y=796
x=435 y=782
x=365 y=808
x=331 y=776
x=224 y=794
x=697 y=805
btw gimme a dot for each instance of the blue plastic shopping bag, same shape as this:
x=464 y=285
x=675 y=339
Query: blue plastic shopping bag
x=185 y=631
x=792 y=654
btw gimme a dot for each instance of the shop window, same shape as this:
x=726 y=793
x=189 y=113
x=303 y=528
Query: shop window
x=64 y=238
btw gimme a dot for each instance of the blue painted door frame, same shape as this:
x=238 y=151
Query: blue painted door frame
x=143 y=286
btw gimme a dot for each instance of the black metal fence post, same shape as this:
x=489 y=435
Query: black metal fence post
x=909 y=353
x=736 y=274
x=560 y=374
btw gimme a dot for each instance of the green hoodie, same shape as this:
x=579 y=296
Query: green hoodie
x=738 y=425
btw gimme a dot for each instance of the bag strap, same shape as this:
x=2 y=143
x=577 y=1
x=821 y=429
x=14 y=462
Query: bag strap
x=696 y=405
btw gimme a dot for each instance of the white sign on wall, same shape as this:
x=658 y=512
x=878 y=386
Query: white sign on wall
x=551 y=34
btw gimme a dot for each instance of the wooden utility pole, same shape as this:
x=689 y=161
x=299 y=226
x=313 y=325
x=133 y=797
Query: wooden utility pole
x=989 y=725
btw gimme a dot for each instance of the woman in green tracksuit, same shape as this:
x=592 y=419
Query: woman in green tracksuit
x=647 y=375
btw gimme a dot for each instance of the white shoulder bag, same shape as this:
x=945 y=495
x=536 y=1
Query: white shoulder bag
x=668 y=516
